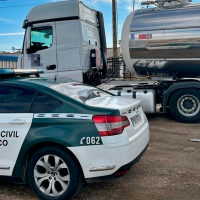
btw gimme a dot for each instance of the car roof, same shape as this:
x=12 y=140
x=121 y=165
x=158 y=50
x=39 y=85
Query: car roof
x=35 y=81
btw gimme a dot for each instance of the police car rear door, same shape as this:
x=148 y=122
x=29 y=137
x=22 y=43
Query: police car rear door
x=15 y=122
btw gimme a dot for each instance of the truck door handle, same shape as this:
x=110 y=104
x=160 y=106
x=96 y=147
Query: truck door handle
x=51 y=67
x=17 y=121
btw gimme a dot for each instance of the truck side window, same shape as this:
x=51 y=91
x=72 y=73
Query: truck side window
x=41 y=38
x=44 y=104
x=15 y=99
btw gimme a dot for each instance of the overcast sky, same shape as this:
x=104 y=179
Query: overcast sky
x=13 y=13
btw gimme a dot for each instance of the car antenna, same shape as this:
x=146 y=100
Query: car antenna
x=55 y=79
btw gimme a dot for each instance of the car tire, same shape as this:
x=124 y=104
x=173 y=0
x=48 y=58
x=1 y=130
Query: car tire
x=53 y=174
x=185 y=105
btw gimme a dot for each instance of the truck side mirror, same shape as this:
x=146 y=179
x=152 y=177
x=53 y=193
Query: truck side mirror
x=28 y=38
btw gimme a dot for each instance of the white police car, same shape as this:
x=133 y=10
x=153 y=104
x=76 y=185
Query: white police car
x=55 y=135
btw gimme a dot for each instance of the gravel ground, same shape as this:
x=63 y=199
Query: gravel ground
x=170 y=169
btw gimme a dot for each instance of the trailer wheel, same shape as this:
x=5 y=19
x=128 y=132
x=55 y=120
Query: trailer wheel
x=185 y=105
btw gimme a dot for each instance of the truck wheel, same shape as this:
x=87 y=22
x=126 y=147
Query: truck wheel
x=53 y=174
x=185 y=105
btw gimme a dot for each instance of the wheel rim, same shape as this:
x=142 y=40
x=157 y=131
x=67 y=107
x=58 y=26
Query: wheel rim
x=188 y=105
x=51 y=175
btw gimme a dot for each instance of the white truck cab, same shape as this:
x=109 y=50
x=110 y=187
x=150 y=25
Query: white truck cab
x=65 y=39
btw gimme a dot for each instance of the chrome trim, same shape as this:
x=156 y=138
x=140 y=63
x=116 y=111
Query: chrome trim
x=4 y=167
x=64 y=116
x=96 y=169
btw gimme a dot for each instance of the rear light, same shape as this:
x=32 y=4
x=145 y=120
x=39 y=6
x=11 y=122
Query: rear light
x=122 y=173
x=110 y=125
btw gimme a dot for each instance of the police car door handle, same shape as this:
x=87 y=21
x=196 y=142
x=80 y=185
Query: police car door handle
x=17 y=121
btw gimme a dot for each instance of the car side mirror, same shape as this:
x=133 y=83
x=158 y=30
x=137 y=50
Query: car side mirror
x=28 y=38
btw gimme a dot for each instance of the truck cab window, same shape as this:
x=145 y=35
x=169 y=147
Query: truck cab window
x=41 y=38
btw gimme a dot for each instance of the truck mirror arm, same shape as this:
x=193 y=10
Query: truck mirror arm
x=31 y=50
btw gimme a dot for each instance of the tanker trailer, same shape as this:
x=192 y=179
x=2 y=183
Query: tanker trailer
x=163 y=43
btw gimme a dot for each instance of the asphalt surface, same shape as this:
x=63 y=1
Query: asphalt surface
x=170 y=169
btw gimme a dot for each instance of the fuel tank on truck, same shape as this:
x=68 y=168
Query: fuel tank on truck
x=162 y=41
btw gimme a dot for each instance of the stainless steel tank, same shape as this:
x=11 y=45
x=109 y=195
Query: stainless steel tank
x=163 y=41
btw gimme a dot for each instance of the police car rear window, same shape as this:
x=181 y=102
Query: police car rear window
x=79 y=91
x=45 y=104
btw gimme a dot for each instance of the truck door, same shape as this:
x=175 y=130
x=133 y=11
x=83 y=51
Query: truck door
x=68 y=49
x=40 y=51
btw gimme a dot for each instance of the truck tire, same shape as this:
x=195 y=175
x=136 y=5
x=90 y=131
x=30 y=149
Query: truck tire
x=185 y=105
x=53 y=174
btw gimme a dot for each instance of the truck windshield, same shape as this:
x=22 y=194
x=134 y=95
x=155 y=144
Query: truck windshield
x=41 y=38
x=79 y=91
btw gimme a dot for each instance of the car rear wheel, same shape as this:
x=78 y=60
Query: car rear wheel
x=185 y=105
x=53 y=174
